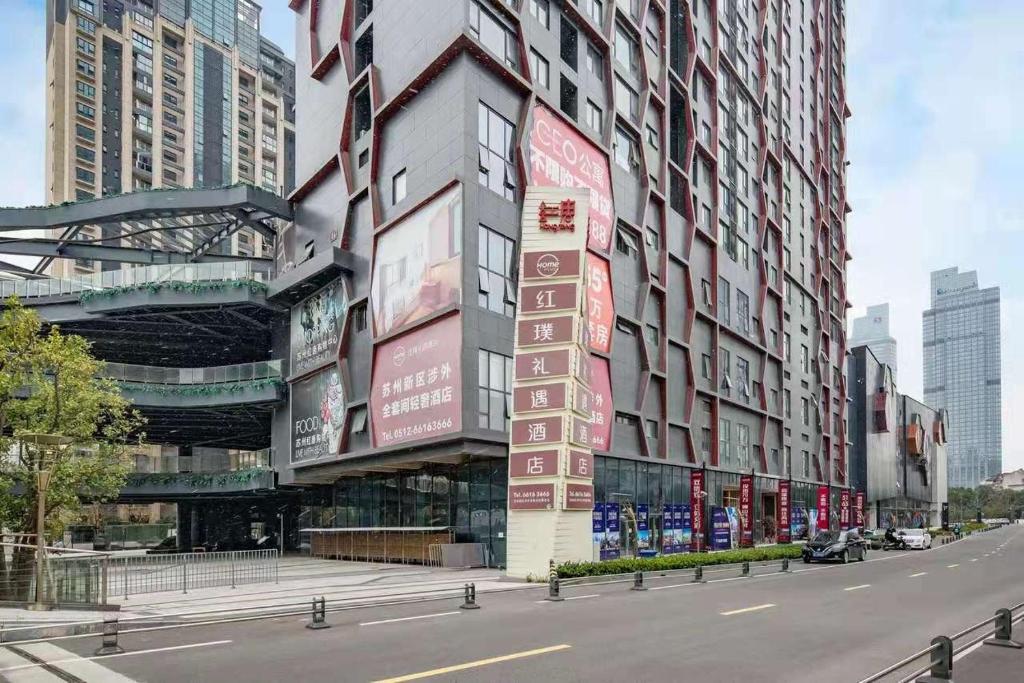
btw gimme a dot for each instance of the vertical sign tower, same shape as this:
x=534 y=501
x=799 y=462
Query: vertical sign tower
x=550 y=490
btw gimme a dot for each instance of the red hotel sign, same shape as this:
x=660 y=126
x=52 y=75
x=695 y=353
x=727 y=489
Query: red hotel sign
x=844 y=509
x=537 y=431
x=551 y=298
x=533 y=463
x=541 y=265
x=858 y=510
x=542 y=331
x=542 y=364
x=538 y=397
x=531 y=496
x=581 y=464
x=579 y=497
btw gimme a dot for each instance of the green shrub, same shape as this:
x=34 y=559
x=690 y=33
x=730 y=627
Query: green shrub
x=570 y=570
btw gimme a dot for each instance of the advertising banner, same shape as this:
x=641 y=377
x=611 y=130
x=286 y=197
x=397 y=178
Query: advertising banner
x=318 y=416
x=533 y=463
x=823 y=505
x=721 y=530
x=561 y=157
x=598 y=530
x=416 y=391
x=844 y=509
x=600 y=305
x=643 y=531
x=785 y=531
x=316 y=326
x=697 y=501
x=799 y=524
x=417 y=264
x=611 y=548
x=531 y=496
x=686 y=527
x=746 y=517
x=601 y=404
x=858 y=511
x=668 y=531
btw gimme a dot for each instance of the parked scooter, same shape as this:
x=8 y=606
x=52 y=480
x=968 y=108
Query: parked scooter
x=894 y=542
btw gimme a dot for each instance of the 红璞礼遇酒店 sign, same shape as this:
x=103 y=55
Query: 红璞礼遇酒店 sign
x=544 y=265
x=531 y=496
x=534 y=431
x=416 y=390
x=545 y=331
x=549 y=298
x=539 y=397
x=543 y=364
x=533 y=463
x=581 y=464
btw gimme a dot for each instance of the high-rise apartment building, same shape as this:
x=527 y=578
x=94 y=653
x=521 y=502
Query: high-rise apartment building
x=711 y=136
x=872 y=330
x=164 y=93
x=963 y=372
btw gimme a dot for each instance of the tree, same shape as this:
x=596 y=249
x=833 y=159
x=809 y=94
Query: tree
x=50 y=383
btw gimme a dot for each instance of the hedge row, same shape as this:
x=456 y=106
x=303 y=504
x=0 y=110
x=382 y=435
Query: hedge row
x=570 y=570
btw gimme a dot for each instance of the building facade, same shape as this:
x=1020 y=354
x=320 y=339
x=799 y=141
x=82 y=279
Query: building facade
x=963 y=372
x=161 y=94
x=872 y=330
x=898 y=452
x=1013 y=481
x=711 y=136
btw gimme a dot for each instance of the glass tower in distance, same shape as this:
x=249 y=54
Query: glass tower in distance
x=962 y=372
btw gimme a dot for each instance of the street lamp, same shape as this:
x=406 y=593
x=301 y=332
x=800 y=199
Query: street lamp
x=47 y=449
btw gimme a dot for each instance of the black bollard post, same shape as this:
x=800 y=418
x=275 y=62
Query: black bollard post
x=554 y=590
x=746 y=569
x=638 y=581
x=470 y=597
x=109 y=646
x=1004 y=630
x=698 y=574
x=319 y=615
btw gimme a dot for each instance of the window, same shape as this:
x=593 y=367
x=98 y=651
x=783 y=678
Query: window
x=786 y=403
x=595 y=117
x=705 y=288
x=724 y=438
x=626 y=99
x=594 y=9
x=85 y=90
x=85 y=110
x=805 y=359
x=743 y=377
x=541 y=11
x=567 y=97
x=85 y=132
x=807 y=463
x=595 y=62
x=85 y=46
x=540 y=69
x=486 y=28
x=495 y=256
x=652 y=33
x=624 y=149
x=743 y=311
x=496 y=136
x=743 y=446
x=724 y=369
x=85 y=68
x=653 y=139
x=653 y=239
x=84 y=175
x=142 y=43
x=569 y=43
x=364 y=50
x=363 y=9
x=805 y=412
x=86 y=25
x=705 y=366
x=85 y=154
x=625 y=50
x=625 y=242
x=724 y=299
x=786 y=346
x=652 y=429
x=398 y=187
x=495 y=390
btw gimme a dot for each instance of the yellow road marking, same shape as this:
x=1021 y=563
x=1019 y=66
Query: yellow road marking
x=747 y=609
x=472 y=665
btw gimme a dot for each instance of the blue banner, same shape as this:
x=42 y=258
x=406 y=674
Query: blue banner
x=686 y=527
x=798 y=523
x=610 y=544
x=668 y=531
x=720 y=529
x=643 y=532
x=599 y=519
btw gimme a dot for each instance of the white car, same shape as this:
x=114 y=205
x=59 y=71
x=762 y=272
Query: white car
x=916 y=539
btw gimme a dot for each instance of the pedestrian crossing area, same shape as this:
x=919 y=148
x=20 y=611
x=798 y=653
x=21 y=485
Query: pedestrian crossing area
x=48 y=663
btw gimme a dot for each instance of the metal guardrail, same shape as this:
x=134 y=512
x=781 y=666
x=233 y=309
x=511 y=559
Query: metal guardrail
x=136 y=574
x=221 y=374
x=71 y=577
x=943 y=649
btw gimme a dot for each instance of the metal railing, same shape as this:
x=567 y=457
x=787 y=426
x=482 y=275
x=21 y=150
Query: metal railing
x=220 y=374
x=134 y=575
x=138 y=276
x=938 y=656
x=71 y=577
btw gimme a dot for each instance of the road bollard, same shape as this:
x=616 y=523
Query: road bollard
x=319 y=615
x=698 y=574
x=554 y=590
x=1004 y=630
x=746 y=569
x=785 y=565
x=941 y=668
x=109 y=646
x=470 y=599
x=638 y=581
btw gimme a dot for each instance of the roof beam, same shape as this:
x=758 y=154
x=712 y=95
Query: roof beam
x=71 y=250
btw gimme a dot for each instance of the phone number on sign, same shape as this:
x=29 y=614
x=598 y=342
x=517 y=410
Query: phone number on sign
x=421 y=429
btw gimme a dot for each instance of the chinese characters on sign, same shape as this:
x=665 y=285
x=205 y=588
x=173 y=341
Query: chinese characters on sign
x=844 y=509
x=531 y=496
x=318 y=415
x=858 y=510
x=533 y=464
x=784 y=528
x=600 y=305
x=697 y=500
x=316 y=326
x=555 y=217
x=746 y=510
x=823 y=502
x=416 y=390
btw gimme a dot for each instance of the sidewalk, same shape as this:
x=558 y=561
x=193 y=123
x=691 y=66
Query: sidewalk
x=991 y=664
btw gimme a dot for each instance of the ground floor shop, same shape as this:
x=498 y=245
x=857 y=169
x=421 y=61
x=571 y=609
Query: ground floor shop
x=904 y=513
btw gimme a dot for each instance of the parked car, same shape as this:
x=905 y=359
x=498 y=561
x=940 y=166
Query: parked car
x=836 y=545
x=874 y=538
x=916 y=539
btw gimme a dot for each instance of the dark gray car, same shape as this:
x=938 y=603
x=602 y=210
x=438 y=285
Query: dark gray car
x=841 y=546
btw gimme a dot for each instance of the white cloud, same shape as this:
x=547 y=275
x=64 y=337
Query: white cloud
x=935 y=153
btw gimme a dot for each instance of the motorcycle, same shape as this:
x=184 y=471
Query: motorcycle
x=898 y=544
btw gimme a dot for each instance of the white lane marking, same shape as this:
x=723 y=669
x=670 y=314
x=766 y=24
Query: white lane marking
x=951 y=566
x=418 y=616
x=857 y=588
x=673 y=585
x=974 y=559
x=122 y=654
x=755 y=608
x=914 y=576
x=571 y=597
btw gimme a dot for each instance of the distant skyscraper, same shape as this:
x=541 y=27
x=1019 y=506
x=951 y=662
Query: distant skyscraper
x=962 y=373
x=872 y=330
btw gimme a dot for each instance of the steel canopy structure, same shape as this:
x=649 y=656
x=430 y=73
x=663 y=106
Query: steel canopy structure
x=150 y=227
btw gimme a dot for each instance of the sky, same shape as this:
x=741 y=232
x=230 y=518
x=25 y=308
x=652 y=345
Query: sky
x=936 y=91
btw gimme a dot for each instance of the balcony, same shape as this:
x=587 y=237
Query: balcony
x=250 y=472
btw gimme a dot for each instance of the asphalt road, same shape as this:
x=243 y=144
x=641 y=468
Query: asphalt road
x=822 y=623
